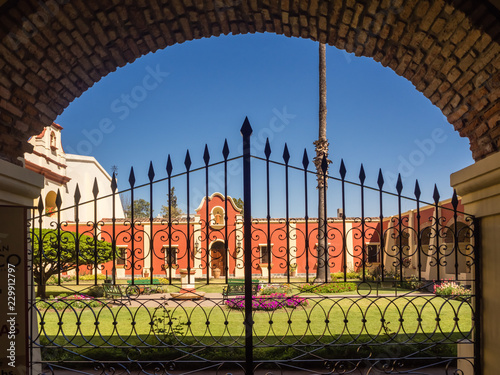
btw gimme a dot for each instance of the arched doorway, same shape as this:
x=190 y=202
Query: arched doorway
x=218 y=257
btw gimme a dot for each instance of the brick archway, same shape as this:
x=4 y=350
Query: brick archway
x=52 y=51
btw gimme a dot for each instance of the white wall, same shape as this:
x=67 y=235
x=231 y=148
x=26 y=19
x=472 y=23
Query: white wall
x=83 y=171
x=50 y=160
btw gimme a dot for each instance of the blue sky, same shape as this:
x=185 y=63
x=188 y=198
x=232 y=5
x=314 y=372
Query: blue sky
x=199 y=92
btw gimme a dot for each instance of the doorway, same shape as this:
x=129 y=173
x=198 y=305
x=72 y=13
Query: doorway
x=218 y=257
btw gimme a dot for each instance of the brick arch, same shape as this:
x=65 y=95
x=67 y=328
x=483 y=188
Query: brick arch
x=51 y=51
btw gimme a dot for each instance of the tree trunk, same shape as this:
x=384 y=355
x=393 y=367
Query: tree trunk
x=41 y=290
x=323 y=269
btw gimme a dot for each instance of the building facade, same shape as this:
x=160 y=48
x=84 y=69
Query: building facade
x=417 y=244
x=62 y=174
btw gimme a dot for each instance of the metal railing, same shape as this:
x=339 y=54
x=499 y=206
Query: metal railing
x=402 y=294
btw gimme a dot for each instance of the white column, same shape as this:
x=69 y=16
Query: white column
x=18 y=187
x=350 y=247
x=293 y=243
x=147 y=251
x=197 y=260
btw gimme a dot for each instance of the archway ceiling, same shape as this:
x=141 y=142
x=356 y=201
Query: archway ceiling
x=52 y=51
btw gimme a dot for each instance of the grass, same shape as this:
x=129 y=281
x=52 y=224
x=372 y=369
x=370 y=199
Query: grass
x=137 y=319
x=389 y=320
x=342 y=324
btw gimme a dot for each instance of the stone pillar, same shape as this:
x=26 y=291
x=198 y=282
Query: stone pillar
x=147 y=252
x=350 y=247
x=18 y=188
x=479 y=187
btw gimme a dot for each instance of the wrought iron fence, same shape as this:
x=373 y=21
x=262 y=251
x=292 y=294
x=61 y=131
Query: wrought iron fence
x=178 y=293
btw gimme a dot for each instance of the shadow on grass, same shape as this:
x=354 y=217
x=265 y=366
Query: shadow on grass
x=194 y=351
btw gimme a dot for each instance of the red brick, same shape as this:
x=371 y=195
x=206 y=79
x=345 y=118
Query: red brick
x=4 y=93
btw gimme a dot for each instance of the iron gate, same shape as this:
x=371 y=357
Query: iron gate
x=178 y=293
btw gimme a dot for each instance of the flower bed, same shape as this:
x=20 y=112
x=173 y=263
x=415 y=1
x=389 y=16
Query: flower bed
x=451 y=288
x=269 y=302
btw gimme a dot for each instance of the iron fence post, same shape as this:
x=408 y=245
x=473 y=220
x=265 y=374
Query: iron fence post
x=246 y=132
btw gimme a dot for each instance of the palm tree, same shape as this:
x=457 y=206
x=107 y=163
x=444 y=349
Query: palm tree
x=323 y=270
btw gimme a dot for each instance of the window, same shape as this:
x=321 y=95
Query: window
x=121 y=255
x=53 y=146
x=265 y=254
x=170 y=255
x=373 y=253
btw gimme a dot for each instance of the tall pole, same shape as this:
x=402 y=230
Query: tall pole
x=323 y=270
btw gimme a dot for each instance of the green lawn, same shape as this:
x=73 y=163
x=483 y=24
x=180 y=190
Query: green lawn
x=330 y=326
x=414 y=320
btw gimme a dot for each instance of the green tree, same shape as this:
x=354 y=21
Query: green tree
x=59 y=254
x=172 y=202
x=239 y=203
x=141 y=208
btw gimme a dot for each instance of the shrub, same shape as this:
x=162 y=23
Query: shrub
x=163 y=323
x=152 y=289
x=412 y=283
x=163 y=280
x=269 y=289
x=349 y=275
x=96 y=291
x=451 y=288
x=328 y=288
x=92 y=277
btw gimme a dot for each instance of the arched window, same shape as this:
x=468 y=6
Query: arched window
x=50 y=203
x=217 y=219
x=464 y=233
x=426 y=235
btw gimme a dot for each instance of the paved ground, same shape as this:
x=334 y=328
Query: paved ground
x=211 y=299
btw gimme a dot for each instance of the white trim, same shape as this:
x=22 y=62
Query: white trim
x=222 y=197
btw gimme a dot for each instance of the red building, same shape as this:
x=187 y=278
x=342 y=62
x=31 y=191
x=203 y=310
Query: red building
x=280 y=247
